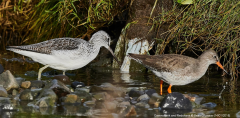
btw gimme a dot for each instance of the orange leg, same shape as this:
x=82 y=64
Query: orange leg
x=161 y=82
x=169 y=89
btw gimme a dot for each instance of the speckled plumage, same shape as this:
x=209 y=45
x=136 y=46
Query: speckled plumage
x=177 y=69
x=65 y=53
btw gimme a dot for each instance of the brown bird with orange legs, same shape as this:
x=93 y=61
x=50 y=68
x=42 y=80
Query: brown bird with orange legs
x=176 y=69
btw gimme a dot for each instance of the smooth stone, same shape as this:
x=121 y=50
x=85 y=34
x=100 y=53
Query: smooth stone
x=63 y=78
x=26 y=84
x=3 y=92
x=129 y=112
x=149 y=92
x=19 y=80
x=46 y=93
x=1 y=69
x=58 y=87
x=77 y=84
x=123 y=104
x=155 y=99
x=135 y=93
x=90 y=103
x=209 y=105
x=103 y=96
x=176 y=101
x=26 y=95
x=195 y=98
x=143 y=97
x=8 y=80
x=84 y=89
x=110 y=89
x=72 y=98
x=31 y=74
x=110 y=105
x=142 y=105
x=119 y=99
x=46 y=102
x=14 y=92
x=37 y=84
x=83 y=95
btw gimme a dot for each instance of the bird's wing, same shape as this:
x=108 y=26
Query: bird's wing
x=163 y=63
x=46 y=47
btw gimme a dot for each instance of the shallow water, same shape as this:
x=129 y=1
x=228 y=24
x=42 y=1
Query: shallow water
x=209 y=87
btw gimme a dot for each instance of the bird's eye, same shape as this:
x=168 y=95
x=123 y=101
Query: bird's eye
x=215 y=56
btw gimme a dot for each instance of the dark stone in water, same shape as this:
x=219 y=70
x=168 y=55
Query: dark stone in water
x=26 y=95
x=149 y=92
x=37 y=84
x=82 y=95
x=209 y=105
x=63 y=78
x=135 y=93
x=77 y=84
x=176 y=101
x=58 y=87
x=1 y=69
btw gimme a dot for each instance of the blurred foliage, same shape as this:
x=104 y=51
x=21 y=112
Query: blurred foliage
x=38 y=20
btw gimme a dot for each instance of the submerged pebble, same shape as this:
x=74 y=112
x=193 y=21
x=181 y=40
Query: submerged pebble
x=3 y=92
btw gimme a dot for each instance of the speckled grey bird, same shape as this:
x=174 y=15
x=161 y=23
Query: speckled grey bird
x=176 y=69
x=65 y=53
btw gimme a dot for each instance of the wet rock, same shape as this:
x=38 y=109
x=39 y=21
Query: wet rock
x=83 y=95
x=72 y=98
x=142 y=105
x=103 y=96
x=176 y=101
x=14 y=92
x=3 y=92
x=77 y=84
x=135 y=93
x=58 y=87
x=31 y=74
x=195 y=98
x=46 y=102
x=143 y=97
x=26 y=84
x=149 y=92
x=37 y=84
x=8 y=81
x=90 y=103
x=110 y=89
x=19 y=80
x=110 y=105
x=5 y=104
x=209 y=105
x=63 y=78
x=1 y=69
x=123 y=104
x=129 y=111
x=46 y=93
x=119 y=99
x=155 y=99
x=26 y=95
x=87 y=89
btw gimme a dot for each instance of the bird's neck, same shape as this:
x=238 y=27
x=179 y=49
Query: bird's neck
x=203 y=66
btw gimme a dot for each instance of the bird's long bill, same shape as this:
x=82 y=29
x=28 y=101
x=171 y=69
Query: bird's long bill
x=113 y=55
x=220 y=65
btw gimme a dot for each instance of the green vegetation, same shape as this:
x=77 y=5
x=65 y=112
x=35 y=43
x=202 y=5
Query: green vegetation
x=203 y=25
x=40 y=20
